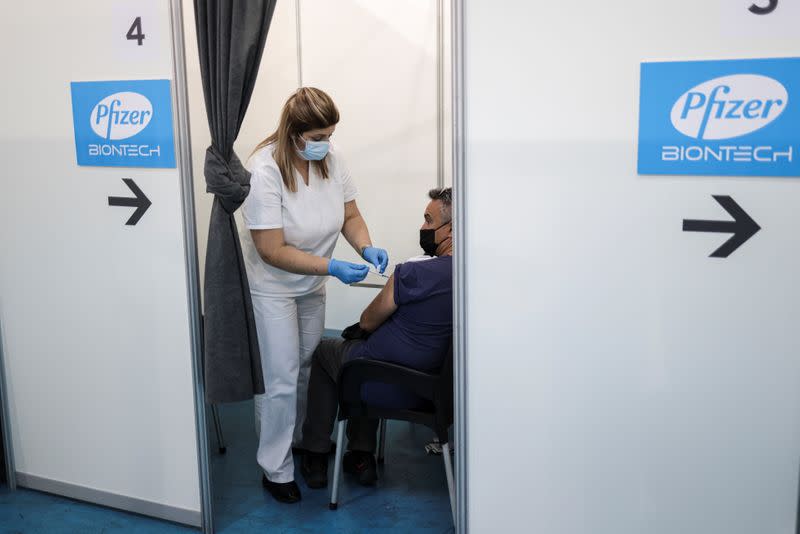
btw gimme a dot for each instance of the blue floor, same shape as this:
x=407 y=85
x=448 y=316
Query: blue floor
x=411 y=494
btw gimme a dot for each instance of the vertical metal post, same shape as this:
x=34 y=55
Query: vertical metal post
x=5 y=422
x=382 y=442
x=299 y=43
x=218 y=429
x=337 y=466
x=797 y=520
x=448 y=471
x=183 y=142
x=440 y=67
x=460 y=266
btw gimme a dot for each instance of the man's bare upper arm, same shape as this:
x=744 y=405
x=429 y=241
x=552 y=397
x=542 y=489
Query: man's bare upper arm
x=387 y=295
x=381 y=308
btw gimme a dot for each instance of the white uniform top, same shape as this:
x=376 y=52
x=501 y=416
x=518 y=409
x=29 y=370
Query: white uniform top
x=311 y=219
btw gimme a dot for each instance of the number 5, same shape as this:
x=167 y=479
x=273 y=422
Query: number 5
x=770 y=7
x=137 y=27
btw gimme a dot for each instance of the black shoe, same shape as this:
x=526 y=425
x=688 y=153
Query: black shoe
x=362 y=464
x=301 y=450
x=314 y=468
x=287 y=492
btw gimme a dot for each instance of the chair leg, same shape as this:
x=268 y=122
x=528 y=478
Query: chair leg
x=218 y=429
x=382 y=442
x=337 y=466
x=448 y=469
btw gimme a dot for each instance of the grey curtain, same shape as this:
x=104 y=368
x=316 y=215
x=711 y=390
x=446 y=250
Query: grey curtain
x=230 y=38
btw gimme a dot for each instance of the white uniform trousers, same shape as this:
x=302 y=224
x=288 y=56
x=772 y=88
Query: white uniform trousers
x=289 y=329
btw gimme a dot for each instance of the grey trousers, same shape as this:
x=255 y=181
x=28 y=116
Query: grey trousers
x=323 y=402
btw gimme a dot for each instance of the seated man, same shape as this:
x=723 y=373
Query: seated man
x=411 y=323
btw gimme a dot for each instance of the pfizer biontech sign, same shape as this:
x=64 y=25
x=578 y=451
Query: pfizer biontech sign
x=123 y=123
x=726 y=118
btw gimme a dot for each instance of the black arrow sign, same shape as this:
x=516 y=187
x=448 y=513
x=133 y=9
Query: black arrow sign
x=743 y=227
x=763 y=10
x=141 y=202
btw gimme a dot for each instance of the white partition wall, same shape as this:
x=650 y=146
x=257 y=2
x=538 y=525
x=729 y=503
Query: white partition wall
x=95 y=281
x=619 y=379
x=378 y=60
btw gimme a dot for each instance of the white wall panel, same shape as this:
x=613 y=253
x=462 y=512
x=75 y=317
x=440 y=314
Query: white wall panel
x=94 y=312
x=377 y=59
x=619 y=379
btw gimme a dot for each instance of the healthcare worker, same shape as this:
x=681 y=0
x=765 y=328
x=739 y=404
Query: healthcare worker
x=301 y=198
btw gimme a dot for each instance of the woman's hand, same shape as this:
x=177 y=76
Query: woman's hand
x=377 y=257
x=348 y=273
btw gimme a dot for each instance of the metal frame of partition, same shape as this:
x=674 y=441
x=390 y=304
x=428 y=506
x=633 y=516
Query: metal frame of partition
x=459 y=266
x=440 y=68
x=183 y=141
x=5 y=423
x=299 y=43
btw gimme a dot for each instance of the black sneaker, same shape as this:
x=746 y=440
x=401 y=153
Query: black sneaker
x=362 y=464
x=314 y=468
x=287 y=492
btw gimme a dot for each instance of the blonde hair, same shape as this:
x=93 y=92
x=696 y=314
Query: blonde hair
x=307 y=109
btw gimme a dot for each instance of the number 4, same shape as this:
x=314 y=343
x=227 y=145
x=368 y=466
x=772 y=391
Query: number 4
x=137 y=28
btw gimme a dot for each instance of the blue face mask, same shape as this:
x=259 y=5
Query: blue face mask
x=315 y=150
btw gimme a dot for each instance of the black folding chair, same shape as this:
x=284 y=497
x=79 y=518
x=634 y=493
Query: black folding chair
x=437 y=413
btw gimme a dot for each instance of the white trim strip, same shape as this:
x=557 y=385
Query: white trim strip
x=112 y=500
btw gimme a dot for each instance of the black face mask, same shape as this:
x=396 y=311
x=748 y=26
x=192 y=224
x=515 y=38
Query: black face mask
x=427 y=240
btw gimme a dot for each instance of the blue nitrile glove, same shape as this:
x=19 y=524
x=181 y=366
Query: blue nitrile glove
x=348 y=273
x=377 y=257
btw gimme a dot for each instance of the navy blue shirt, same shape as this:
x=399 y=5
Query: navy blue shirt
x=418 y=333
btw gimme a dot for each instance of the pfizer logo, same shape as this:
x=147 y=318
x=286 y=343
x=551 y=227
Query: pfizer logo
x=121 y=115
x=729 y=106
